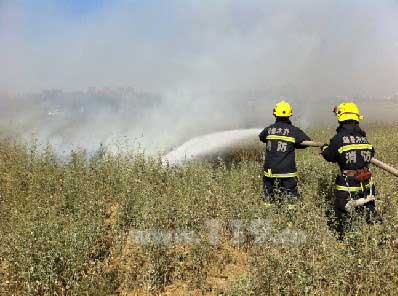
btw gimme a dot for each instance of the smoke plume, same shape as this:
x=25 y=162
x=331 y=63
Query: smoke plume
x=202 y=65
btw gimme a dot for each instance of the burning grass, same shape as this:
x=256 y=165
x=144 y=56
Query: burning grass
x=66 y=228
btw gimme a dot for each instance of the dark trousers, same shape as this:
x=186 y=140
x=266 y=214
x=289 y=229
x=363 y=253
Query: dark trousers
x=366 y=211
x=280 y=190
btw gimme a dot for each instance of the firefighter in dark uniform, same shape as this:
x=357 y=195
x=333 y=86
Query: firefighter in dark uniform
x=280 y=172
x=351 y=150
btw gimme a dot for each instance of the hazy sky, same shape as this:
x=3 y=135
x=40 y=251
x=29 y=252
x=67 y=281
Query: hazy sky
x=306 y=47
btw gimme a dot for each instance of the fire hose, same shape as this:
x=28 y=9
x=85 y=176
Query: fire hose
x=374 y=161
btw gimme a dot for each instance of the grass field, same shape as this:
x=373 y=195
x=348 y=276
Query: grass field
x=125 y=224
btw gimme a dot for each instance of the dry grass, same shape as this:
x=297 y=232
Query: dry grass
x=65 y=227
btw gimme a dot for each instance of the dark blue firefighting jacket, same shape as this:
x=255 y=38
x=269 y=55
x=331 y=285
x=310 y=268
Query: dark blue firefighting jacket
x=351 y=150
x=282 y=138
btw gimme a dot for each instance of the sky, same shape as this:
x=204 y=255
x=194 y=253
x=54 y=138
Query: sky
x=298 y=47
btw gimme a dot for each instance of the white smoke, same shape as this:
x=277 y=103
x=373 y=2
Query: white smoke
x=217 y=65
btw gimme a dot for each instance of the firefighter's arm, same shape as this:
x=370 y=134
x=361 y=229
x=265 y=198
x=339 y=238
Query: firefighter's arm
x=330 y=152
x=263 y=135
x=373 y=151
x=299 y=138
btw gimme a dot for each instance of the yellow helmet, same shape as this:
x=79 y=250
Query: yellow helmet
x=283 y=109
x=347 y=111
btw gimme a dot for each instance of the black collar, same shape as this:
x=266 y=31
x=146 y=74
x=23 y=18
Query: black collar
x=350 y=125
x=283 y=119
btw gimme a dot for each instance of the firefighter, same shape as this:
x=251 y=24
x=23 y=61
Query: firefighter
x=351 y=150
x=280 y=172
